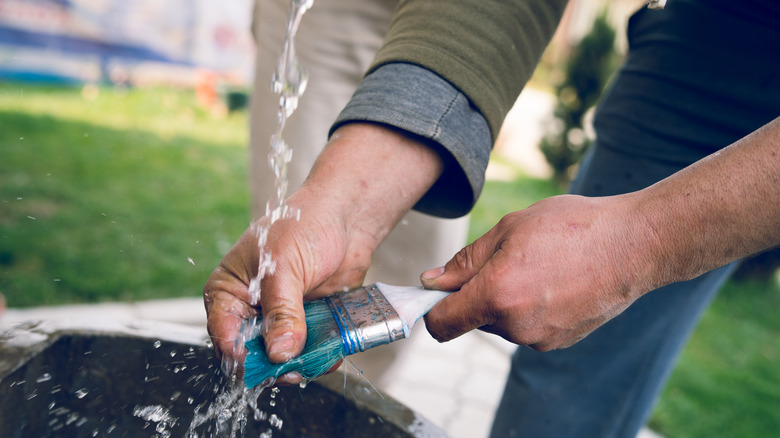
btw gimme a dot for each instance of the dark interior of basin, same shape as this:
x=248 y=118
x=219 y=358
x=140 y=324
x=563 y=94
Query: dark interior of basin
x=85 y=385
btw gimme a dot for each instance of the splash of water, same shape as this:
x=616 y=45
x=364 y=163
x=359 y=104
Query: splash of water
x=289 y=82
x=229 y=410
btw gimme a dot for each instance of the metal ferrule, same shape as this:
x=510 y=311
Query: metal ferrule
x=365 y=319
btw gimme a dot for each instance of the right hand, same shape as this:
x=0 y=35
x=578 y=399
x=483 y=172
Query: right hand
x=549 y=275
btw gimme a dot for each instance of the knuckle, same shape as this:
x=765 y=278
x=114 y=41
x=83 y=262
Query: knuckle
x=280 y=318
x=463 y=260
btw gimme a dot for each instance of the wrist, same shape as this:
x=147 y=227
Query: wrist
x=665 y=243
x=369 y=176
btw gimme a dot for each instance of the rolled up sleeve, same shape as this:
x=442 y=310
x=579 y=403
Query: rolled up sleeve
x=416 y=100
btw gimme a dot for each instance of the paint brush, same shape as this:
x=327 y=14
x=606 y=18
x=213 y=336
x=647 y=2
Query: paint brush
x=343 y=324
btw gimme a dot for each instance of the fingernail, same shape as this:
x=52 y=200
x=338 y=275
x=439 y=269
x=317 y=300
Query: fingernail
x=292 y=377
x=282 y=345
x=433 y=273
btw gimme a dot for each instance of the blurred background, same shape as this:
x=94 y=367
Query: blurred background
x=123 y=135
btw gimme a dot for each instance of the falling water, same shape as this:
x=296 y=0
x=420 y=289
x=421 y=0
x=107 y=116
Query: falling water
x=289 y=82
x=230 y=409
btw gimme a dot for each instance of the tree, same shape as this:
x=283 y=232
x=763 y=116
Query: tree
x=586 y=72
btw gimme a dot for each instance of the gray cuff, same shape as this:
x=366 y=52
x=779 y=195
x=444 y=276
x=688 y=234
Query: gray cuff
x=419 y=101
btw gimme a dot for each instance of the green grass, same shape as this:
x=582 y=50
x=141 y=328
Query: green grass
x=727 y=382
x=106 y=199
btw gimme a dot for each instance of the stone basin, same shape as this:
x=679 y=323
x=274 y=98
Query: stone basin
x=109 y=379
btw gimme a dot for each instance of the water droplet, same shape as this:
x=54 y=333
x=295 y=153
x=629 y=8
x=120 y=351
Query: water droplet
x=275 y=421
x=190 y=400
x=73 y=416
x=224 y=415
x=44 y=378
x=272 y=403
x=81 y=393
x=192 y=262
x=173 y=353
x=303 y=384
x=157 y=344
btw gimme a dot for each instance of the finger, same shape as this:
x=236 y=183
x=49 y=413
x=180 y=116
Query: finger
x=225 y=315
x=295 y=378
x=460 y=312
x=226 y=299
x=462 y=267
x=284 y=320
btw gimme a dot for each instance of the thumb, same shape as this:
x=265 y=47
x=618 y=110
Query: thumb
x=462 y=267
x=284 y=321
x=462 y=311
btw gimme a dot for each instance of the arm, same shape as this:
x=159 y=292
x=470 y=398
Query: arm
x=720 y=209
x=549 y=275
x=370 y=173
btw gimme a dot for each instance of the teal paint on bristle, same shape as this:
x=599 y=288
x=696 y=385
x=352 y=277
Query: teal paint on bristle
x=323 y=349
x=343 y=324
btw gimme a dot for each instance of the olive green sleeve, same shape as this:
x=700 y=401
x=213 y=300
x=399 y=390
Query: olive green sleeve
x=488 y=49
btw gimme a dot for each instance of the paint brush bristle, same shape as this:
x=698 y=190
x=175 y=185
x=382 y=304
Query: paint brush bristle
x=323 y=349
x=344 y=324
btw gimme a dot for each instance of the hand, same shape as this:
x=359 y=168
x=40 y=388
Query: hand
x=361 y=185
x=549 y=275
x=546 y=276
x=309 y=256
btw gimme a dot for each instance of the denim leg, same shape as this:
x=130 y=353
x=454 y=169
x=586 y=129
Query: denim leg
x=605 y=385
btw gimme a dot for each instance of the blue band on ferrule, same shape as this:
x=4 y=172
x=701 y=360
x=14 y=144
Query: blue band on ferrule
x=347 y=336
x=365 y=319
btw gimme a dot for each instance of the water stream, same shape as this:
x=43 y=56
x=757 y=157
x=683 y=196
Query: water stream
x=289 y=82
x=230 y=409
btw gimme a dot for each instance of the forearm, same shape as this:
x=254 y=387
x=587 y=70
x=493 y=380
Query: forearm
x=722 y=208
x=371 y=175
